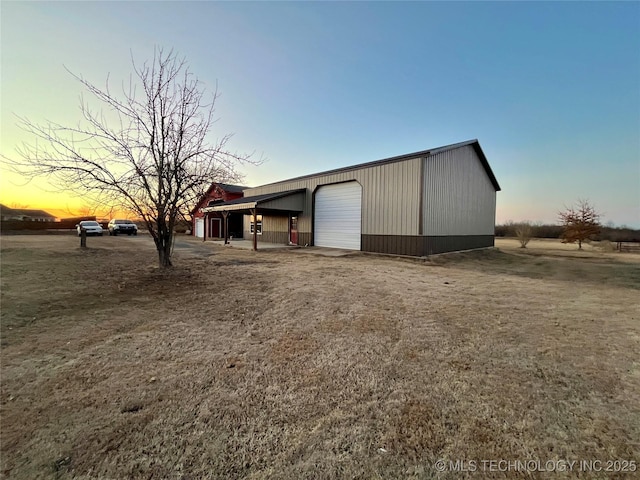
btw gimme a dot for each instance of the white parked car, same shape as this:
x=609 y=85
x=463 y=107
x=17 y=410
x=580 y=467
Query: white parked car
x=122 y=226
x=92 y=227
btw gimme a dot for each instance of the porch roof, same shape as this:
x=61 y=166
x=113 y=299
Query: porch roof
x=281 y=202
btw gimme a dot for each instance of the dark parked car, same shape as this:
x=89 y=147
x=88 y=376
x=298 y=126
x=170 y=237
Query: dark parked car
x=117 y=227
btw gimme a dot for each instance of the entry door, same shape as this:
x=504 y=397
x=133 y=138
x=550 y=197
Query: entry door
x=200 y=227
x=216 y=227
x=293 y=230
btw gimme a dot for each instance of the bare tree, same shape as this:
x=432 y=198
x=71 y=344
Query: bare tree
x=579 y=222
x=147 y=152
x=523 y=232
x=20 y=206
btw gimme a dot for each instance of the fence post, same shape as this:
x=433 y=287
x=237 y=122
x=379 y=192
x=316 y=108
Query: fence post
x=83 y=238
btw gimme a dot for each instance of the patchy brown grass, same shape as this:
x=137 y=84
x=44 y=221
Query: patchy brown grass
x=277 y=364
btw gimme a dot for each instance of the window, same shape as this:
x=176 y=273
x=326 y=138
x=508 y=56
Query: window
x=259 y=223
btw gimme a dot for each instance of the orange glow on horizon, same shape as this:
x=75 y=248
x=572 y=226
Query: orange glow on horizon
x=58 y=204
x=39 y=194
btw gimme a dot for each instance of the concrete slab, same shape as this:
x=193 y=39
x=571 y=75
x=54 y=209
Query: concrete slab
x=248 y=245
x=327 y=252
x=243 y=244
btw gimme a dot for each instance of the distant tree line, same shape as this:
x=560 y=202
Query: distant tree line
x=539 y=230
x=62 y=225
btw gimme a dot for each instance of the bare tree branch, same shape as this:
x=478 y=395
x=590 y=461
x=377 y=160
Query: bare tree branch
x=147 y=150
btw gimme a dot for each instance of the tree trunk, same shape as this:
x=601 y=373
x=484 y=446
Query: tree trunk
x=163 y=245
x=164 y=257
x=579 y=244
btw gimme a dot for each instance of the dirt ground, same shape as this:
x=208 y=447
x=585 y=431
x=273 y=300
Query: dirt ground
x=283 y=364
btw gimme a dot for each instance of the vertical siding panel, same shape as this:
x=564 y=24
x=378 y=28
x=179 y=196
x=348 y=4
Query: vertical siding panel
x=368 y=201
x=394 y=174
x=409 y=198
x=405 y=209
x=417 y=173
x=385 y=222
x=397 y=211
x=459 y=197
x=425 y=196
x=412 y=218
x=428 y=194
x=401 y=195
x=374 y=200
x=404 y=196
x=382 y=199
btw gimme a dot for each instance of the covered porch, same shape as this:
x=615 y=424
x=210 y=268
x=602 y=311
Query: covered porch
x=282 y=205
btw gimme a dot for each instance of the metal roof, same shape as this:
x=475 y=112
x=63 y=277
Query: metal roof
x=223 y=186
x=232 y=188
x=250 y=202
x=424 y=153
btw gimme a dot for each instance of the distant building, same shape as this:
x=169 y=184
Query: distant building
x=25 y=214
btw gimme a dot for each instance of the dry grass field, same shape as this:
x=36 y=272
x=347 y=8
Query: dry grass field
x=288 y=365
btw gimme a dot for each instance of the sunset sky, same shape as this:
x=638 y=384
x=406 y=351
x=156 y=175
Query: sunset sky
x=551 y=90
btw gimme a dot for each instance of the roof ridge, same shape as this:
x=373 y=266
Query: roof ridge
x=422 y=153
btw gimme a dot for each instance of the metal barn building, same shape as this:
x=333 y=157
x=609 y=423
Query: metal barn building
x=428 y=202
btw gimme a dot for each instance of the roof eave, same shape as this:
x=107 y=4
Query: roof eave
x=251 y=202
x=424 y=153
x=485 y=164
x=230 y=208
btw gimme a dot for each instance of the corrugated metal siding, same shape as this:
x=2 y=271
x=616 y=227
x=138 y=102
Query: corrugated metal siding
x=275 y=224
x=269 y=237
x=390 y=196
x=269 y=224
x=459 y=198
x=294 y=203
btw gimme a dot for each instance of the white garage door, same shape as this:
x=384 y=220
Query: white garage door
x=338 y=213
x=200 y=227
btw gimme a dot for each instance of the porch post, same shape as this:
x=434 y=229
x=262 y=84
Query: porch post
x=254 y=213
x=225 y=214
x=206 y=222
